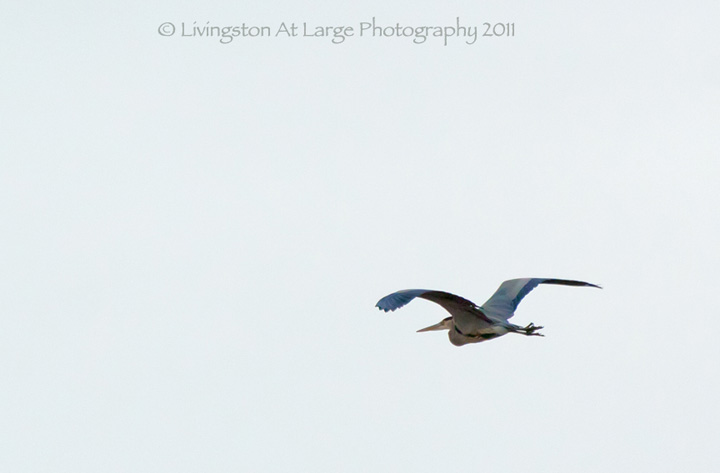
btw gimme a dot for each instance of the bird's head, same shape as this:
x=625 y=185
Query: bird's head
x=445 y=324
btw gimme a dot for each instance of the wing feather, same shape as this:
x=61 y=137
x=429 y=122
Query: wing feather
x=458 y=307
x=502 y=304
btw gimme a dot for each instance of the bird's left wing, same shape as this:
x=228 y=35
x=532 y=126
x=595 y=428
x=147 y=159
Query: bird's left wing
x=457 y=306
x=502 y=304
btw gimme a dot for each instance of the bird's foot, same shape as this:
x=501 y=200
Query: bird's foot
x=531 y=328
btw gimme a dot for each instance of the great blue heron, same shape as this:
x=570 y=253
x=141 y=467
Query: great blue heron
x=472 y=324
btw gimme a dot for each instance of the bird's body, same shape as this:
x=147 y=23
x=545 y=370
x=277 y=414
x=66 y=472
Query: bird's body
x=469 y=323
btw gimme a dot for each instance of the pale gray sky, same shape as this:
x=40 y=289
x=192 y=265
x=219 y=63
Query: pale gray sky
x=194 y=236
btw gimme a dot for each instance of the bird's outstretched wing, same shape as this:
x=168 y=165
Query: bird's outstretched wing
x=457 y=306
x=502 y=304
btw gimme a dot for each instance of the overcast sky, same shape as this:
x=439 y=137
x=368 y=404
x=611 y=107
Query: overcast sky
x=194 y=235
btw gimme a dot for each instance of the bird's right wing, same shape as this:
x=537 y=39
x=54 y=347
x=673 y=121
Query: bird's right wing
x=502 y=304
x=461 y=309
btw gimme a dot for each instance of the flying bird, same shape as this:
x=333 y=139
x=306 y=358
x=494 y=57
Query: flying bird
x=469 y=323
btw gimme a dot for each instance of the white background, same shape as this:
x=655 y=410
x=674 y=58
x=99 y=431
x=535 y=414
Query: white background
x=194 y=235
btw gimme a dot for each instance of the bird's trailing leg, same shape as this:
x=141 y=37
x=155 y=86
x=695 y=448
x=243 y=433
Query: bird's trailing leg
x=531 y=328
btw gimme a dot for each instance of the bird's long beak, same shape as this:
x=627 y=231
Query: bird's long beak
x=438 y=326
